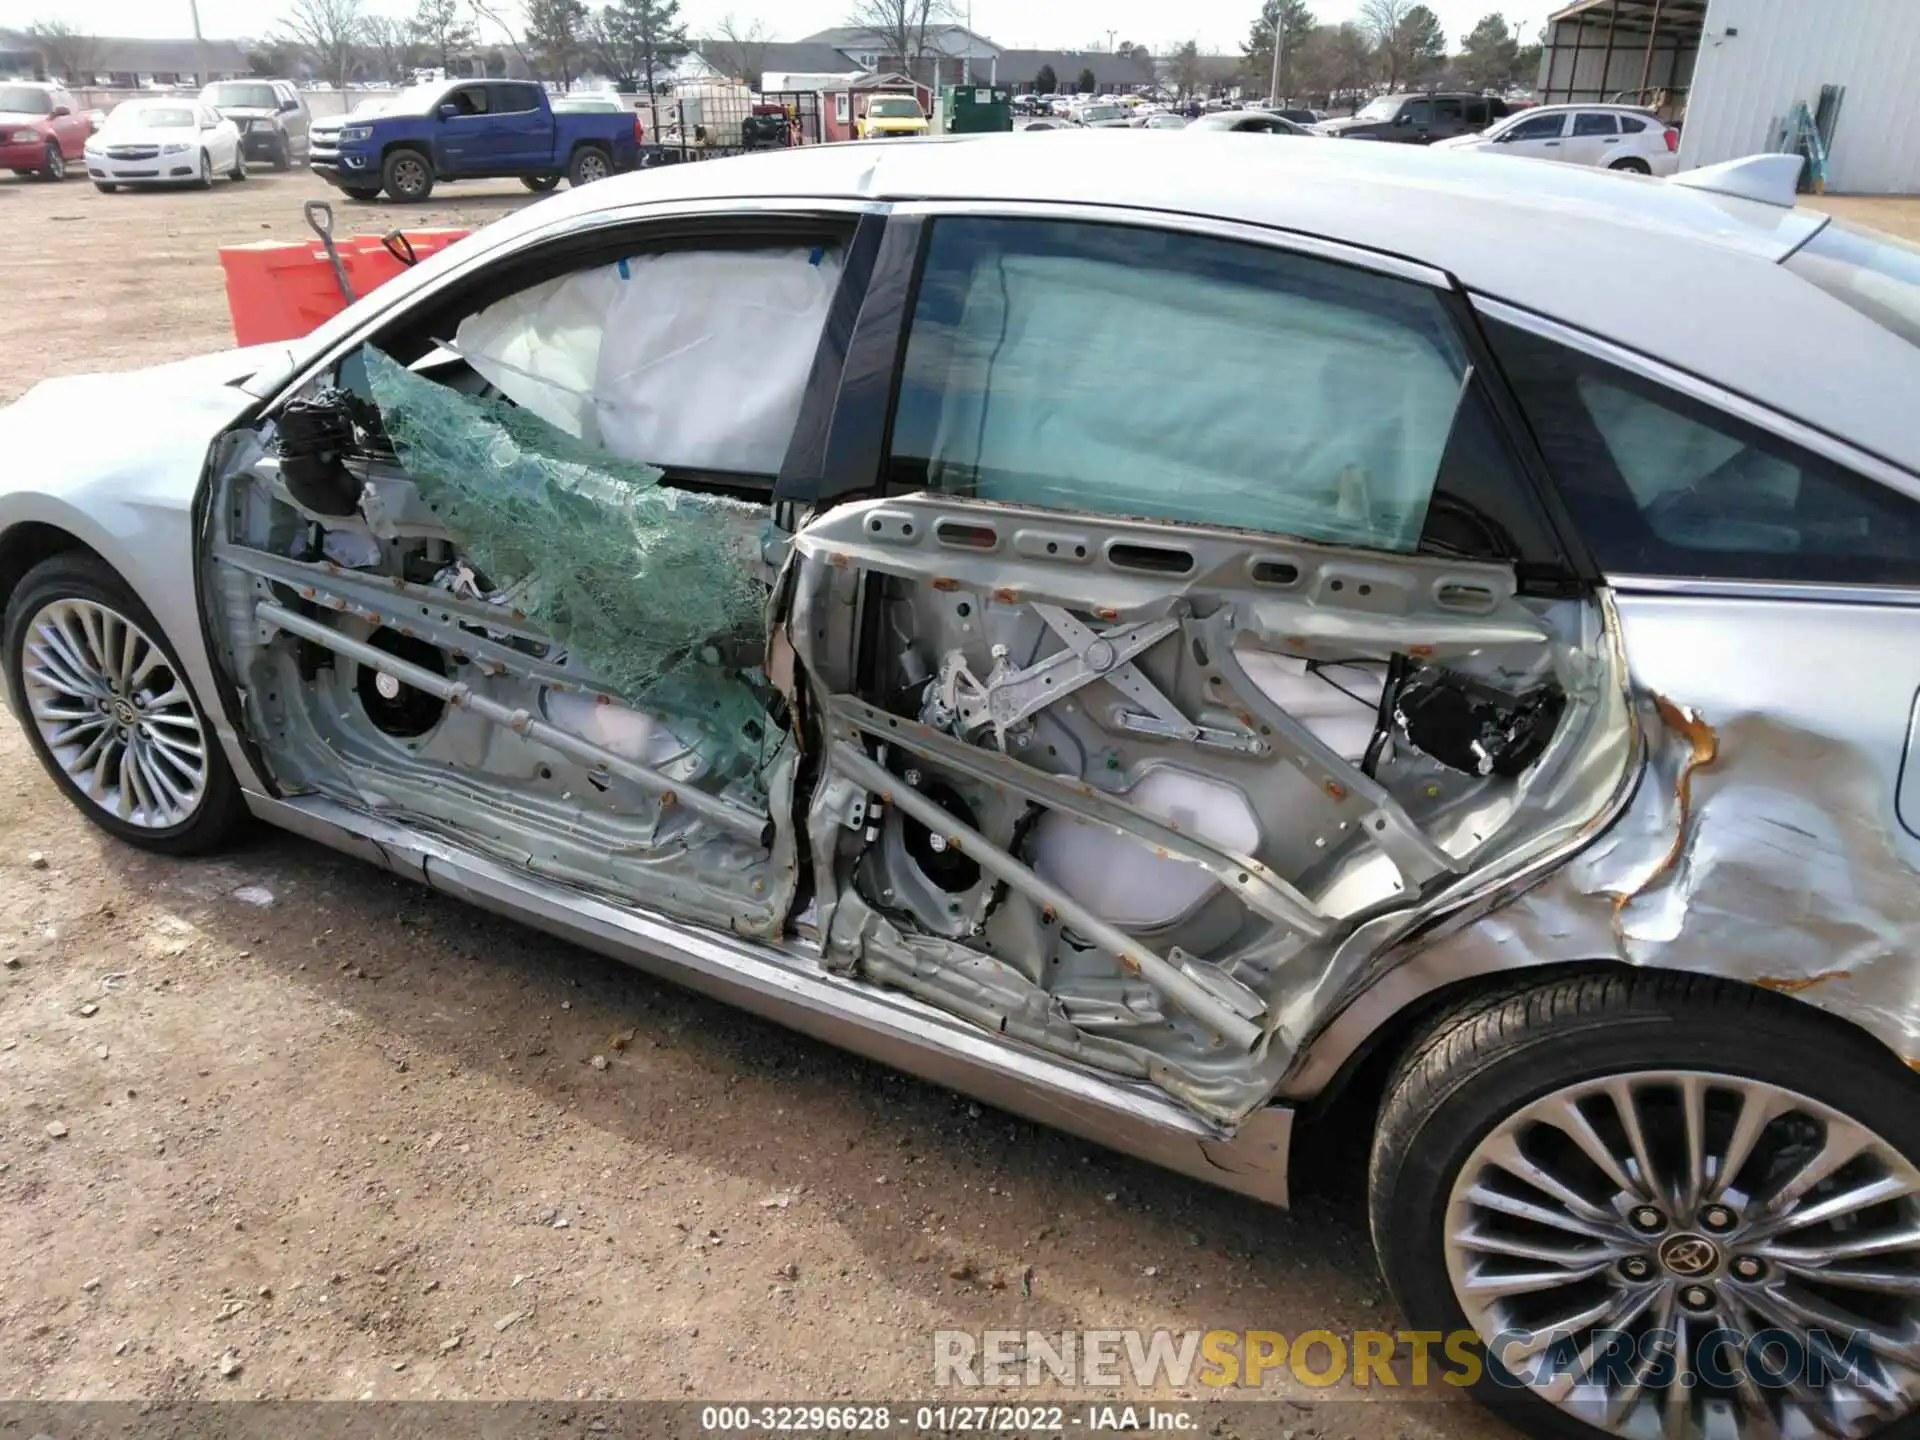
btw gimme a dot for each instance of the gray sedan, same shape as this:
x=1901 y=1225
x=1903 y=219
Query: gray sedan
x=1467 y=708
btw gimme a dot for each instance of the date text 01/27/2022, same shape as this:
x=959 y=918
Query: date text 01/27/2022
x=945 y=1419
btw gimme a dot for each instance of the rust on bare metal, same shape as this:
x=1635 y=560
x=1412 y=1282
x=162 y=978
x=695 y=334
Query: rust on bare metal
x=668 y=798
x=1106 y=612
x=1006 y=595
x=1794 y=984
x=1704 y=749
x=1129 y=964
x=945 y=583
x=953 y=844
x=1048 y=915
x=1335 y=790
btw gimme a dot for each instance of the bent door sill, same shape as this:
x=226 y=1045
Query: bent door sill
x=786 y=985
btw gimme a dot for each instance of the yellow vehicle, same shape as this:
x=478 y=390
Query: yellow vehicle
x=890 y=115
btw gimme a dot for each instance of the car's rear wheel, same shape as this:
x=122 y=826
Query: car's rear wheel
x=109 y=712
x=55 y=166
x=539 y=184
x=407 y=176
x=1632 y=166
x=589 y=164
x=1661 y=1204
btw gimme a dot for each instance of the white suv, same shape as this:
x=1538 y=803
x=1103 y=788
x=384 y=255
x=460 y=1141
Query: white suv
x=1614 y=137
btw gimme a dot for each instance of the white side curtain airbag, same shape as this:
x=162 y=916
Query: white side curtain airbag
x=689 y=359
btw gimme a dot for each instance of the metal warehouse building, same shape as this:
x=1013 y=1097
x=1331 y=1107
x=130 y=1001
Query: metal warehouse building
x=1738 y=68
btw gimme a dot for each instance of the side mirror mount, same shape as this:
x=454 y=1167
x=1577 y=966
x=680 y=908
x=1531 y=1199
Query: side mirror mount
x=1403 y=118
x=287 y=107
x=447 y=112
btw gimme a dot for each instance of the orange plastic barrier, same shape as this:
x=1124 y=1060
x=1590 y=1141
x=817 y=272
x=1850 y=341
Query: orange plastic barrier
x=282 y=289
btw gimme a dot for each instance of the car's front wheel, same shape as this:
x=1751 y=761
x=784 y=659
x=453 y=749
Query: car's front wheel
x=407 y=176
x=108 y=711
x=204 y=179
x=55 y=166
x=1666 y=1207
x=282 y=154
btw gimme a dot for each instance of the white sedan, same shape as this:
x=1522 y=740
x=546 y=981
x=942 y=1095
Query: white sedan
x=1612 y=137
x=164 y=142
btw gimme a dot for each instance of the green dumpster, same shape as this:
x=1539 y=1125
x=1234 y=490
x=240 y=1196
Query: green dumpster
x=975 y=109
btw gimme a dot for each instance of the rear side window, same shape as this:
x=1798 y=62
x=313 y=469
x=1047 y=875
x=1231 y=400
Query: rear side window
x=1590 y=124
x=1660 y=484
x=1447 y=109
x=1476 y=112
x=1632 y=126
x=1128 y=371
x=515 y=98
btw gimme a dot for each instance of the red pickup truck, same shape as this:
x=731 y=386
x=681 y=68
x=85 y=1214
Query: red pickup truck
x=41 y=129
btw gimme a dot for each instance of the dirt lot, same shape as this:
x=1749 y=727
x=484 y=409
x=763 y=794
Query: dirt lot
x=353 y=1141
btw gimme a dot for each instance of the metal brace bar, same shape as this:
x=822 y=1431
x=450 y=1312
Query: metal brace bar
x=1173 y=985
x=1258 y=888
x=1384 y=820
x=734 y=819
x=1113 y=663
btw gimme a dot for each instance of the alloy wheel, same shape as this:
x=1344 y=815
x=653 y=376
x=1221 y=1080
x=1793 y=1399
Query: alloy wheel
x=56 y=163
x=1675 y=1254
x=590 y=168
x=113 y=714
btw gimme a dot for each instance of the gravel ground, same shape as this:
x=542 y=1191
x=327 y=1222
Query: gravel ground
x=278 y=1125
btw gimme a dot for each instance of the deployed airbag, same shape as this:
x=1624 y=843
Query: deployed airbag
x=688 y=359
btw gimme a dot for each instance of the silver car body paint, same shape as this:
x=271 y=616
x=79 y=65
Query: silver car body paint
x=1761 y=842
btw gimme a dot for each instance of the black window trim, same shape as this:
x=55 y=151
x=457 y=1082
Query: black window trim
x=1742 y=409
x=861 y=437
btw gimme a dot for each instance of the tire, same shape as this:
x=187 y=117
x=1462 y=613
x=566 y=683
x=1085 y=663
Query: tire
x=407 y=176
x=1469 y=1083
x=540 y=184
x=104 y=187
x=55 y=168
x=239 y=171
x=589 y=163
x=360 y=192
x=204 y=181
x=88 y=586
x=1632 y=167
x=282 y=157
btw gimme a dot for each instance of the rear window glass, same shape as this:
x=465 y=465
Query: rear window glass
x=1876 y=274
x=1595 y=125
x=1631 y=125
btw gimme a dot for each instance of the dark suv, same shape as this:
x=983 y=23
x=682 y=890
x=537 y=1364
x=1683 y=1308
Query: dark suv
x=1418 y=119
x=272 y=117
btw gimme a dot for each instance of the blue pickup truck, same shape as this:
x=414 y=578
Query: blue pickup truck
x=470 y=130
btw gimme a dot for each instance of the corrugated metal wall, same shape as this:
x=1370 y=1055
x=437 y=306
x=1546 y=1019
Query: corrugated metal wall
x=1745 y=84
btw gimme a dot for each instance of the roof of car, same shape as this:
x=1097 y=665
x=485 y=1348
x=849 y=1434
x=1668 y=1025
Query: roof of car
x=1682 y=275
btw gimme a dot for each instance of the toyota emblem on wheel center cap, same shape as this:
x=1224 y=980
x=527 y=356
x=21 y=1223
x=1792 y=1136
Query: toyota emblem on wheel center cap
x=1690 y=1255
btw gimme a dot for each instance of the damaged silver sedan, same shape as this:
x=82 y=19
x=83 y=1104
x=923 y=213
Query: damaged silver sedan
x=1445 y=681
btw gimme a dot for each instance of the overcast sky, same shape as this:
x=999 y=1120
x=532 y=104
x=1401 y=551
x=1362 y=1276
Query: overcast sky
x=1219 y=25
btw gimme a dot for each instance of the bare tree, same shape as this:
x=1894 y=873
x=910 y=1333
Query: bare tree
x=557 y=32
x=901 y=26
x=64 y=50
x=1185 y=73
x=441 y=31
x=396 y=45
x=740 y=50
x=489 y=15
x=327 y=30
x=1384 y=22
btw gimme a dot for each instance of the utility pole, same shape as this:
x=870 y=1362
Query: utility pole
x=199 y=44
x=1110 y=35
x=1279 y=50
